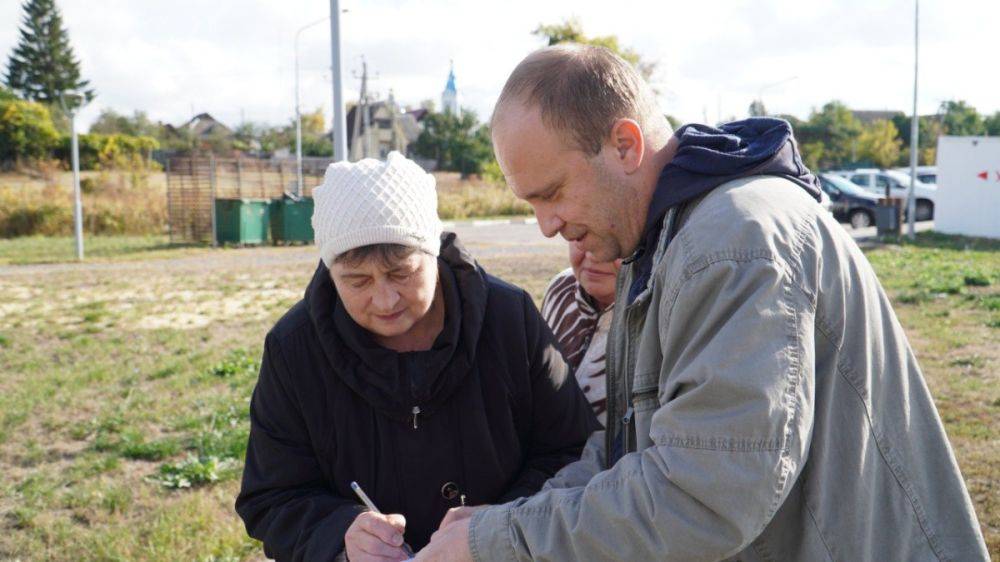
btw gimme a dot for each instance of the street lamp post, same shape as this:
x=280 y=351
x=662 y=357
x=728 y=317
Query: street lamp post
x=911 y=200
x=69 y=101
x=298 y=111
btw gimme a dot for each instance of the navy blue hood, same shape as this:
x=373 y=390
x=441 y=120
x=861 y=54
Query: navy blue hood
x=708 y=157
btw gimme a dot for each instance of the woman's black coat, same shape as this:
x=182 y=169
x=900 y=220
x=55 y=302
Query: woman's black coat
x=498 y=415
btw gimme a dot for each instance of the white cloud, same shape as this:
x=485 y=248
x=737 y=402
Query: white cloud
x=231 y=57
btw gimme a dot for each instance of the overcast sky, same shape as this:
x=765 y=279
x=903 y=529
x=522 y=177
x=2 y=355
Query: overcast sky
x=235 y=59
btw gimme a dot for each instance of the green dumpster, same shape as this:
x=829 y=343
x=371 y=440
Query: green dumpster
x=291 y=220
x=241 y=221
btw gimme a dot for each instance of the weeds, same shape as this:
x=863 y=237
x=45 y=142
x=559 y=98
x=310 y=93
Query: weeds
x=196 y=471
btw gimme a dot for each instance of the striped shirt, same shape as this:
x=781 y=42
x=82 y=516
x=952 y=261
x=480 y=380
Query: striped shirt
x=581 y=331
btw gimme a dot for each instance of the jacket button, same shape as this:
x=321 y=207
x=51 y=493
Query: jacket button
x=449 y=491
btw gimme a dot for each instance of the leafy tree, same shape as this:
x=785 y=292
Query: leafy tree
x=6 y=95
x=180 y=140
x=317 y=145
x=993 y=124
x=813 y=154
x=879 y=144
x=930 y=127
x=42 y=64
x=757 y=109
x=245 y=137
x=273 y=138
x=456 y=142
x=571 y=31
x=961 y=119
x=314 y=139
x=794 y=121
x=115 y=151
x=836 y=127
x=110 y=122
x=313 y=123
x=26 y=131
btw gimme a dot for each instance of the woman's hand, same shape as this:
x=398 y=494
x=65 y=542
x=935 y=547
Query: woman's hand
x=456 y=514
x=375 y=537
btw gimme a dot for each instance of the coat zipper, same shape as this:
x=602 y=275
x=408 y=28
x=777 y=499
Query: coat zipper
x=629 y=368
x=416 y=412
x=629 y=418
x=612 y=371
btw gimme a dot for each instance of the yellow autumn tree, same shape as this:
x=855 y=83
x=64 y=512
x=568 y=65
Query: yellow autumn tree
x=879 y=144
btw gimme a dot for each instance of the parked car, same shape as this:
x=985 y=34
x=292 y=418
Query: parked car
x=926 y=174
x=875 y=181
x=850 y=203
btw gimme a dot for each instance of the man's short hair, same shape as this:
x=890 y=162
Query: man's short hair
x=582 y=90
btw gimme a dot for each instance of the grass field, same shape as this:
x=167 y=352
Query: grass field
x=124 y=391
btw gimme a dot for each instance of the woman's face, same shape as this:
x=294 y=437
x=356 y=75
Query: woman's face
x=597 y=278
x=387 y=300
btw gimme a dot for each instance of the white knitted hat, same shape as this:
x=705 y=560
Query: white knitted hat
x=374 y=202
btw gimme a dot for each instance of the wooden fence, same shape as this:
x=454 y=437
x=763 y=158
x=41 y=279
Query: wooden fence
x=194 y=183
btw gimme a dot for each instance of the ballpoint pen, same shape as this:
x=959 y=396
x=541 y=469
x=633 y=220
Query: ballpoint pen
x=371 y=505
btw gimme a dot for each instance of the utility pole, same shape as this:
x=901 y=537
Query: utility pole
x=339 y=132
x=362 y=113
x=911 y=199
x=390 y=105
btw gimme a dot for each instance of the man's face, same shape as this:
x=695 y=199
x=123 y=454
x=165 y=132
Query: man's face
x=585 y=198
x=387 y=300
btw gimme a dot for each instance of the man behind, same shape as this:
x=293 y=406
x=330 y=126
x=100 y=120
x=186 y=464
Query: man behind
x=763 y=401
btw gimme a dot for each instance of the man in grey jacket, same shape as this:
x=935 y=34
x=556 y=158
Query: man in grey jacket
x=763 y=401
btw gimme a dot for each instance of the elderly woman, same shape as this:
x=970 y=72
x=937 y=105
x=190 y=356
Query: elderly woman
x=406 y=368
x=577 y=307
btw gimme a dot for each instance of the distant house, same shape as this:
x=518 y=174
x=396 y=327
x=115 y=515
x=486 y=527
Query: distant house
x=203 y=126
x=200 y=133
x=385 y=128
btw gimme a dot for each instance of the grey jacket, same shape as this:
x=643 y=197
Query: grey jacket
x=770 y=404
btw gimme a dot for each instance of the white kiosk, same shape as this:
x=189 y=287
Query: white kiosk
x=968 y=194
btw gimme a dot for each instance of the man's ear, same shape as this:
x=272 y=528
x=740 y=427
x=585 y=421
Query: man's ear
x=628 y=143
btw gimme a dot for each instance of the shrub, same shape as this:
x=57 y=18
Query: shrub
x=111 y=152
x=26 y=131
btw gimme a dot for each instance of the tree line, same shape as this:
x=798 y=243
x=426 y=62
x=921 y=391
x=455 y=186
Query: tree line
x=835 y=137
x=34 y=124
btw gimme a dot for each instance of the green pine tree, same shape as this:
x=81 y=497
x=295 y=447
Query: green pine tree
x=42 y=64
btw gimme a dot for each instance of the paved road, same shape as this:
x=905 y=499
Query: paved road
x=482 y=238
